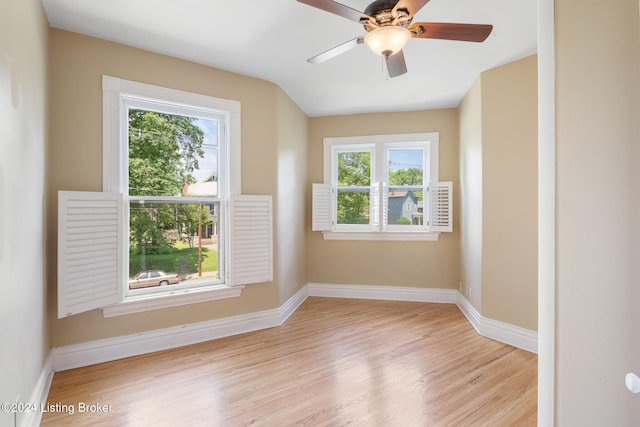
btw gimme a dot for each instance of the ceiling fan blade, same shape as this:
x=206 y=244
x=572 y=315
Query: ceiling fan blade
x=411 y=6
x=337 y=9
x=335 y=51
x=445 y=31
x=396 y=65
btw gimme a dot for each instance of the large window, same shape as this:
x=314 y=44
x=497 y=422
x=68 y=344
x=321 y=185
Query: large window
x=171 y=227
x=382 y=187
x=175 y=187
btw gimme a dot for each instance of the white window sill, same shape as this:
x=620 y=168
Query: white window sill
x=171 y=299
x=423 y=236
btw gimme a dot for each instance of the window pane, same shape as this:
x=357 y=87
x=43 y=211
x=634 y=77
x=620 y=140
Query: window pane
x=172 y=155
x=405 y=195
x=205 y=175
x=177 y=243
x=354 y=206
x=406 y=167
x=354 y=168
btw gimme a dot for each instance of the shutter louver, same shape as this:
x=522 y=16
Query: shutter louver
x=441 y=206
x=375 y=206
x=385 y=205
x=321 y=208
x=251 y=240
x=89 y=251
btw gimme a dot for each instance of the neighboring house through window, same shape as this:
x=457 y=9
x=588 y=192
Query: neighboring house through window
x=377 y=187
x=404 y=208
x=171 y=170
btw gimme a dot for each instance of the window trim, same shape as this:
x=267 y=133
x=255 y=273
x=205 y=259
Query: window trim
x=146 y=302
x=381 y=144
x=91 y=236
x=118 y=95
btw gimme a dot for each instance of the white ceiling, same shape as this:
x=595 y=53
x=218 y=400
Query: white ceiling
x=271 y=40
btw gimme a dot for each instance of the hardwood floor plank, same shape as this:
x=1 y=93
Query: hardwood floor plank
x=335 y=362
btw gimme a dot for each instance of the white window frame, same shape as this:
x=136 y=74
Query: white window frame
x=325 y=196
x=254 y=211
x=135 y=102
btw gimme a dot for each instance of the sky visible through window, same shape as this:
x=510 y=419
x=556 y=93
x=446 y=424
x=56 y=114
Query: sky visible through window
x=209 y=163
x=404 y=159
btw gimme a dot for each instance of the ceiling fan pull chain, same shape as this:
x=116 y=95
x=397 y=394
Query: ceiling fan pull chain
x=383 y=66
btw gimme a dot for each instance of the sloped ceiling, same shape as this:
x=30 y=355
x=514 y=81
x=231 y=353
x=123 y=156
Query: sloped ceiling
x=271 y=40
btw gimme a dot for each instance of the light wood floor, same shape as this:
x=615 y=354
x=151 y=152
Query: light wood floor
x=335 y=362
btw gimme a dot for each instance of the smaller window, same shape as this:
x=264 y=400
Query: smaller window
x=379 y=187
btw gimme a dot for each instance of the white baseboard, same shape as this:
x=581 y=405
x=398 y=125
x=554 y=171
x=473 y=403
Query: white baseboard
x=292 y=304
x=499 y=331
x=391 y=293
x=91 y=353
x=38 y=396
x=516 y=336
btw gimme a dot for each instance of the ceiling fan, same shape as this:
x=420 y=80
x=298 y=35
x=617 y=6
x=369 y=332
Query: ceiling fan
x=389 y=27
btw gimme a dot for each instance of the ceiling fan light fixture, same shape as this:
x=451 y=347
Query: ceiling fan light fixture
x=387 y=40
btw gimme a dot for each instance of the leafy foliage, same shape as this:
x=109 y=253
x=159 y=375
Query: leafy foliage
x=191 y=216
x=410 y=176
x=353 y=208
x=163 y=151
x=146 y=229
x=354 y=170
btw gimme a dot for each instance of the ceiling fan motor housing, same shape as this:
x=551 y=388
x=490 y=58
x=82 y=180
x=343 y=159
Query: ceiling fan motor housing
x=383 y=15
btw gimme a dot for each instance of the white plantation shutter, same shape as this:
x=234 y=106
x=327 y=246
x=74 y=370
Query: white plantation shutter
x=375 y=206
x=385 y=205
x=251 y=240
x=321 y=217
x=441 y=206
x=89 y=251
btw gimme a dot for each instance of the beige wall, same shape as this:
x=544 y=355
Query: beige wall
x=418 y=264
x=291 y=213
x=597 y=211
x=24 y=340
x=470 y=119
x=498 y=174
x=598 y=104
x=272 y=127
x=510 y=193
